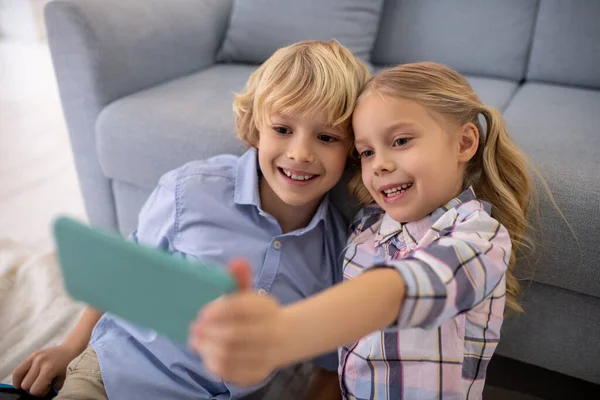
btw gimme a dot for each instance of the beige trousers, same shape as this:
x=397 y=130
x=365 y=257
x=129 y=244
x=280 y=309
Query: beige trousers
x=84 y=380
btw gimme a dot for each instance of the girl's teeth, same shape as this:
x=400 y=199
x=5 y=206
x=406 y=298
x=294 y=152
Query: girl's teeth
x=397 y=190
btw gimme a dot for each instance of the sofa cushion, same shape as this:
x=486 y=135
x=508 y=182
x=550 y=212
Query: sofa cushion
x=558 y=331
x=259 y=27
x=558 y=128
x=566 y=45
x=489 y=37
x=129 y=200
x=142 y=136
x=493 y=92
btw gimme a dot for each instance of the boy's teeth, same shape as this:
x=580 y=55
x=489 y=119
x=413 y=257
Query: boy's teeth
x=297 y=177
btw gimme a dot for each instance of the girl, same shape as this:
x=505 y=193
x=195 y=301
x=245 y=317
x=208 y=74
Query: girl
x=428 y=269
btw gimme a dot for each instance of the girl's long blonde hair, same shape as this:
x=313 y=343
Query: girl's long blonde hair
x=498 y=171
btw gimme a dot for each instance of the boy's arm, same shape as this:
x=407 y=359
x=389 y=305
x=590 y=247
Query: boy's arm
x=49 y=366
x=155 y=229
x=78 y=339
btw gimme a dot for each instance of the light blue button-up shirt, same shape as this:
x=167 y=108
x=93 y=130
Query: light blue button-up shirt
x=211 y=210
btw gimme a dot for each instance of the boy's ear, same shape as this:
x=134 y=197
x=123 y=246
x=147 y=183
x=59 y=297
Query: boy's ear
x=256 y=136
x=469 y=142
x=255 y=140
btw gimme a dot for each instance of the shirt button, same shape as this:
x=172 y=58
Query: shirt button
x=262 y=292
x=277 y=244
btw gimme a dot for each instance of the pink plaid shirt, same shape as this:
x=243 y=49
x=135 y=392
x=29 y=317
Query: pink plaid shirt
x=453 y=262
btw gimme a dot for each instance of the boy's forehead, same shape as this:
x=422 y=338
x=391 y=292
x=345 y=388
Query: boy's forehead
x=298 y=115
x=314 y=117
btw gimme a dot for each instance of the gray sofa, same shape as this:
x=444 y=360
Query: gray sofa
x=146 y=85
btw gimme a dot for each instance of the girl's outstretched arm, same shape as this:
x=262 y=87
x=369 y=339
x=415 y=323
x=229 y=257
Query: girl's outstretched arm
x=244 y=337
x=342 y=314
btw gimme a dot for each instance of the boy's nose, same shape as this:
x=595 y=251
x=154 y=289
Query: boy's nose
x=300 y=152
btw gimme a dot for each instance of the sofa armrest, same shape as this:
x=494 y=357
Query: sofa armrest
x=117 y=47
x=103 y=50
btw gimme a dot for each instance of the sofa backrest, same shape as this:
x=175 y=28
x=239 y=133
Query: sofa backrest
x=479 y=37
x=566 y=43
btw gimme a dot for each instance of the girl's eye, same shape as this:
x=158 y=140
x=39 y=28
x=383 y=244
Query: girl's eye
x=366 y=154
x=281 y=130
x=327 y=138
x=401 y=141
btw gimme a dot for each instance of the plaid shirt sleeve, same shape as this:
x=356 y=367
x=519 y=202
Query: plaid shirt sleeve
x=456 y=271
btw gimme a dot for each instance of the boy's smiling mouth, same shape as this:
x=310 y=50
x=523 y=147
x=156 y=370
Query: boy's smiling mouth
x=296 y=175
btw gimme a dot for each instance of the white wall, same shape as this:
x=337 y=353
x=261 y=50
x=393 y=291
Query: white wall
x=22 y=20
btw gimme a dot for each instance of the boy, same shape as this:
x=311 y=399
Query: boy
x=270 y=206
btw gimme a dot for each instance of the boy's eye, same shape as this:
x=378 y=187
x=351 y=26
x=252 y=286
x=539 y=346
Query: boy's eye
x=281 y=130
x=327 y=138
x=401 y=141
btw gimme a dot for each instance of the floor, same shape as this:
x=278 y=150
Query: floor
x=37 y=175
x=514 y=380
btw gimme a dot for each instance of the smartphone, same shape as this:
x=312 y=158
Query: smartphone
x=8 y=392
x=141 y=284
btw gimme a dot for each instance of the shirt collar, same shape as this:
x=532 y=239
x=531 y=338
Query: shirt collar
x=247 y=191
x=320 y=215
x=390 y=228
x=246 y=179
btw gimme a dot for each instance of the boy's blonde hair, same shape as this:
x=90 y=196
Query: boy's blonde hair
x=304 y=77
x=498 y=171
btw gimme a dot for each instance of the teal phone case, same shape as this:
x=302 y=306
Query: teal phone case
x=140 y=284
